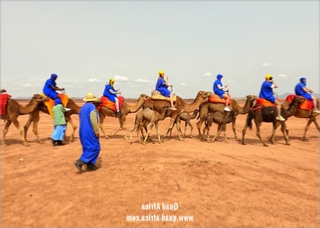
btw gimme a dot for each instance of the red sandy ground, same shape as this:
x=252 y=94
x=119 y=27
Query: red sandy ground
x=218 y=184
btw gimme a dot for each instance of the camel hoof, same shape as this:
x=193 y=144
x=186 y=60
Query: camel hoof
x=26 y=144
x=41 y=142
x=3 y=144
x=190 y=136
x=106 y=137
x=305 y=140
x=226 y=141
x=243 y=143
x=181 y=139
x=288 y=143
x=265 y=145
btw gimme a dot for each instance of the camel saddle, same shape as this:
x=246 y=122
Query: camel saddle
x=263 y=102
x=158 y=96
x=306 y=105
x=3 y=103
x=214 y=98
x=105 y=102
x=50 y=102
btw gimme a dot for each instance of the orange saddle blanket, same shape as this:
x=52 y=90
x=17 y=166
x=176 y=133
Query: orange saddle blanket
x=50 y=103
x=3 y=103
x=264 y=102
x=214 y=98
x=306 y=105
x=105 y=102
x=163 y=98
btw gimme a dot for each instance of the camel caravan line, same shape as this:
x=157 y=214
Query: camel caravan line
x=207 y=108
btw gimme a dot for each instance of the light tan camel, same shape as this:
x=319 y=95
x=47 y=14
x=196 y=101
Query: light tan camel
x=14 y=109
x=35 y=117
x=312 y=118
x=228 y=117
x=125 y=110
x=148 y=117
x=180 y=105
x=268 y=114
x=186 y=117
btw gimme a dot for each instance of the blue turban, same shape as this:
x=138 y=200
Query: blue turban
x=219 y=76
x=302 y=80
x=57 y=101
x=53 y=76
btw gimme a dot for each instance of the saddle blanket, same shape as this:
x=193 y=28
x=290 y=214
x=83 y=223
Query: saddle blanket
x=105 y=102
x=214 y=98
x=156 y=96
x=265 y=103
x=3 y=103
x=50 y=103
x=306 y=105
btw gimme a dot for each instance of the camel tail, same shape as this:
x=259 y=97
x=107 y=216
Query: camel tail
x=249 y=120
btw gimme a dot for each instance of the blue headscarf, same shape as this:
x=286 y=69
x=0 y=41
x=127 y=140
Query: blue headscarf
x=57 y=101
x=219 y=76
x=53 y=76
x=302 y=81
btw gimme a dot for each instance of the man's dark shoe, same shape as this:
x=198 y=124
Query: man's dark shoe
x=78 y=164
x=92 y=167
x=60 y=143
x=54 y=142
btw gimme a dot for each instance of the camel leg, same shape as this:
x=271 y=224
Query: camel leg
x=17 y=125
x=74 y=127
x=244 y=133
x=101 y=126
x=234 y=129
x=199 y=124
x=179 y=131
x=206 y=132
x=304 y=138
x=170 y=128
x=157 y=129
x=148 y=133
x=224 y=129
x=122 y=121
x=258 y=133
x=219 y=129
x=275 y=125
x=285 y=131
x=191 y=127
x=185 y=128
x=132 y=130
x=35 y=118
x=5 y=131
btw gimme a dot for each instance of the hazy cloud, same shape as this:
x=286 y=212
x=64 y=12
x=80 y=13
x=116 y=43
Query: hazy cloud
x=120 y=78
x=208 y=74
x=231 y=80
x=142 y=80
x=265 y=64
x=26 y=85
x=283 y=75
x=183 y=84
x=93 y=80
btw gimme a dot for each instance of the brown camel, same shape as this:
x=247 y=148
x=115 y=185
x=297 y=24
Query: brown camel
x=186 y=117
x=35 y=117
x=312 y=118
x=125 y=110
x=14 y=109
x=149 y=117
x=217 y=109
x=268 y=114
x=181 y=107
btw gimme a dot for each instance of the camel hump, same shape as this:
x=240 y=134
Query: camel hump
x=214 y=98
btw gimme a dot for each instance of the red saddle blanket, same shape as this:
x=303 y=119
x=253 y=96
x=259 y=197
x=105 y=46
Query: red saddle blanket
x=264 y=102
x=214 y=98
x=105 y=102
x=3 y=103
x=50 y=103
x=306 y=105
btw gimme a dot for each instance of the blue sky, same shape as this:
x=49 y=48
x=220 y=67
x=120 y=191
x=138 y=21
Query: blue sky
x=88 y=42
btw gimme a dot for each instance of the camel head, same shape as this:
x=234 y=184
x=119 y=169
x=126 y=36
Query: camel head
x=143 y=97
x=39 y=98
x=251 y=97
x=204 y=94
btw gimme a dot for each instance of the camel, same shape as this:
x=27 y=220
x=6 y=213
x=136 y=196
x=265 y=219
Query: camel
x=14 y=109
x=125 y=110
x=35 y=117
x=268 y=114
x=186 y=117
x=149 y=117
x=312 y=118
x=217 y=109
x=181 y=107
